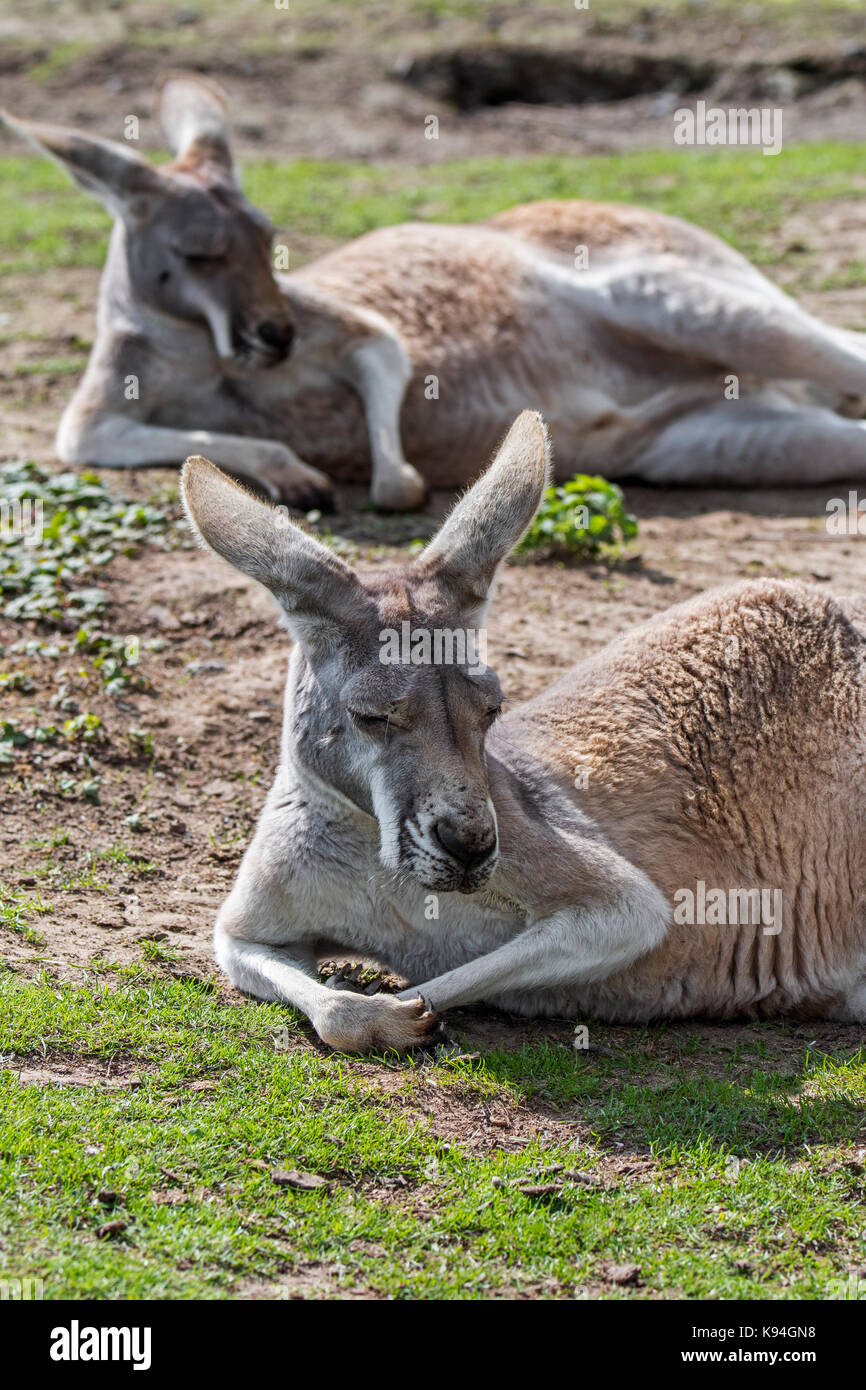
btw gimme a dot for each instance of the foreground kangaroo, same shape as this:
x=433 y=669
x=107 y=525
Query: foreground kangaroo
x=720 y=744
x=426 y=340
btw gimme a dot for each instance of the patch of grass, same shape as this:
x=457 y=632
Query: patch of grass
x=123 y=855
x=92 y=865
x=678 y=1095
x=60 y=57
x=87 y=878
x=45 y=221
x=222 y=1096
x=16 y=910
x=848 y=278
x=741 y=195
x=59 y=838
x=155 y=952
x=51 y=366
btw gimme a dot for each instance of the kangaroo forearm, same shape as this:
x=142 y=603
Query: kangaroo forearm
x=572 y=947
x=119 y=441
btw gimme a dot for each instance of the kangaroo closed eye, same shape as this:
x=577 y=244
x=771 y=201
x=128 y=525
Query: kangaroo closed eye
x=201 y=257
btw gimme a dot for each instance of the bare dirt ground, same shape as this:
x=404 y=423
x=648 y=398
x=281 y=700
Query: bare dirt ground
x=214 y=709
x=350 y=82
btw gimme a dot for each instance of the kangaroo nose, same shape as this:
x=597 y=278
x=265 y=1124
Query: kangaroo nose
x=467 y=851
x=276 y=335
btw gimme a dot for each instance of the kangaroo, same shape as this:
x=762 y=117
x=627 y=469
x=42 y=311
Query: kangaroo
x=405 y=355
x=545 y=861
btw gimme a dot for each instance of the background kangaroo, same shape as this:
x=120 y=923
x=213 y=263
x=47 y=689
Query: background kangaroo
x=720 y=743
x=424 y=341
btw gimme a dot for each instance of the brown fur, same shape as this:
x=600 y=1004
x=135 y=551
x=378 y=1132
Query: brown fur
x=563 y=224
x=724 y=741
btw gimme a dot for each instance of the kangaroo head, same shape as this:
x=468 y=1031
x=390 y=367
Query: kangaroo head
x=389 y=699
x=190 y=244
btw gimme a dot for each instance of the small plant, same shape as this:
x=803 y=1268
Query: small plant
x=84 y=728
x=141 y=741
x=114 y=659
x=158 y=954
x=58 y=837
x=121 y=854
x=580 y=517
x=11 y=734
x=15 y=909
x=13 y=737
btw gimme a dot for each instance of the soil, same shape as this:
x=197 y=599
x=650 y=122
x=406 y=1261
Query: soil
x=513 y=80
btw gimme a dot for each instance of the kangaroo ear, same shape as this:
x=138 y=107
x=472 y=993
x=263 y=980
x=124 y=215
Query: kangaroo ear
x=317 y=591
x=194 y=116
x=491 y=517
x=120 y=178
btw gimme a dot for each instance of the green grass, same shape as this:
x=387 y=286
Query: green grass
x=48 y=222
x=405 y=1213
x=52 y=366
x=743 y=196
x=16 y=911
x=60 y=57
